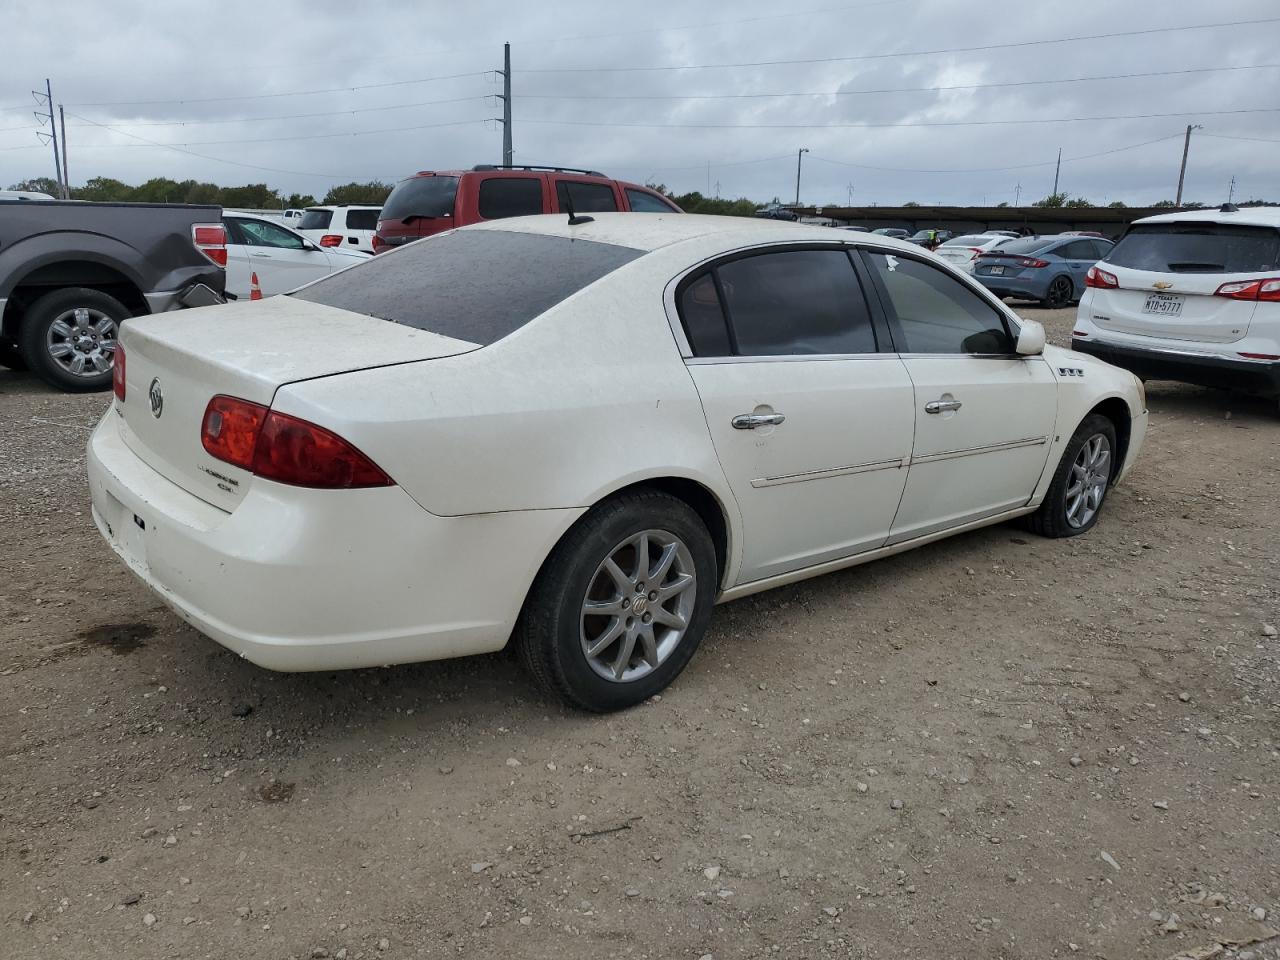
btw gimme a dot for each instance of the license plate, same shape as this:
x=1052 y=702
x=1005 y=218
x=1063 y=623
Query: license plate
x=1164 y=304
x=997 y=271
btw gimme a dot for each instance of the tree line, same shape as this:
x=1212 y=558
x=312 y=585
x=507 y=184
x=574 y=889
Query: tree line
x=253 y=196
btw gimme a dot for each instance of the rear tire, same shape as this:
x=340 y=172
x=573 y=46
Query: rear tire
x=68 y=338
x=1080 y=484
x=1060 y=293
x=622 y=602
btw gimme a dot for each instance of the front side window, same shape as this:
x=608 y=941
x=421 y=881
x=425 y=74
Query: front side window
x=502 y=197
x=796 y=302
x=585 y=197
x=932 y=312
x=642 y=201
x=259 y=233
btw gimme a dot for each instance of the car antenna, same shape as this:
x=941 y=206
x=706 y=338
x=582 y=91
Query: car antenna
x=574 y=219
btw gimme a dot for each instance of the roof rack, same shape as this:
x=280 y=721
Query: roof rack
x=520 y=166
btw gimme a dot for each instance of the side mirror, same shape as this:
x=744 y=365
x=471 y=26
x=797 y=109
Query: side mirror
x=1030 y=339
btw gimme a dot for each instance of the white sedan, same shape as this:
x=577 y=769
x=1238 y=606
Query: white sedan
x=282 y=259
x=580 y=437
x=962 y=252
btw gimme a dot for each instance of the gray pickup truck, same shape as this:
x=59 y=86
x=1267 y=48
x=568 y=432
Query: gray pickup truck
x=72 y=272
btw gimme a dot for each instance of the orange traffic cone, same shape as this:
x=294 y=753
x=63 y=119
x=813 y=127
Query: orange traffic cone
x=255 y=291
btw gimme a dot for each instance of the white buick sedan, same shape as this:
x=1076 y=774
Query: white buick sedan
x=581 y=437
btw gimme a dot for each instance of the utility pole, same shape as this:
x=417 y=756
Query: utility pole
x=849 y=199
x=1231 y=190
x=506 y=104
x=1182 y=172
x=1017 y=193
x=66 y=167
x=799 y=156
x=52 y=135
x=1057 y=170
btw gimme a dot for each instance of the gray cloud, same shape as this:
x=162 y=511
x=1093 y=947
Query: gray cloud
x=106 y=60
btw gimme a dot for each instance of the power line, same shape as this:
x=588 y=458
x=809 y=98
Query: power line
x=878 y=90
x=1223 y=136
x=309 y=136
x=908 y=124
x=297 y=116
x=291 y=93
x=907 y=53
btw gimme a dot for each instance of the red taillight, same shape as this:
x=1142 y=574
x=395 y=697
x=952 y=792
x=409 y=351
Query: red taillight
x=1268 y=290
x=230 y=429
x=283 y=448
x=1032 y=262
x=211 y=240
x=117 y=372
x=331 y=240
x=1079 y=333
x=1102 y=279
x=1260 y=356
x=378 y=243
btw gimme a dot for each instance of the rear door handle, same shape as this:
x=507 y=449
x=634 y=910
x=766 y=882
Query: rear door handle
x=749 y=421
x=264 y=256
x=941 y=406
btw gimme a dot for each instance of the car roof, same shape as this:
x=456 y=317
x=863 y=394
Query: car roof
x=650 y=231
x=1250 y=216
x=344 y=206
x=561 y=171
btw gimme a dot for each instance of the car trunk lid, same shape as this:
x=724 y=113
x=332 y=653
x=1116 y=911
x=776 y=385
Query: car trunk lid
x=176 y=362
x=1171 y=305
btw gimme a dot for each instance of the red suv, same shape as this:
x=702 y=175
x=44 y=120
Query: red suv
x=432 y=201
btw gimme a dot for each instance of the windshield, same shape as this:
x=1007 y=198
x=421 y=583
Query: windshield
x=1197 y=248
x=315 y=220
x=421 y=197
x=473 y=285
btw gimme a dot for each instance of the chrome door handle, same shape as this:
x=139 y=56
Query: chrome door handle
x=749 y=421
x=265 y=256
x=941 y=406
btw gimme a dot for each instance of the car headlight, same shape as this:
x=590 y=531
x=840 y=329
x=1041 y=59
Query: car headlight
x=1142 y=392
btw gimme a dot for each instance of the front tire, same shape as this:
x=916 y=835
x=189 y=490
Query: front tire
x=68 y=338
x=622 y=602
x=1080 y=484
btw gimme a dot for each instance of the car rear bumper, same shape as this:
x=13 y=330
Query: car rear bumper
x=1206 y=370
x=298 y=579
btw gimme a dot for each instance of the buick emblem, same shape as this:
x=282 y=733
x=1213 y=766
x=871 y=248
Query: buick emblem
x=156 y=396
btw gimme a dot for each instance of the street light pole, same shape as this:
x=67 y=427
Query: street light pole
x=799 y=156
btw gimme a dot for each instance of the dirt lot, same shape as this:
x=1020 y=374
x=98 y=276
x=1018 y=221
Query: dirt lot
x=1084 y=738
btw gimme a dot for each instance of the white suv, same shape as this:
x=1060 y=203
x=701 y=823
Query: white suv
x=1192 y=296
x=350 y=226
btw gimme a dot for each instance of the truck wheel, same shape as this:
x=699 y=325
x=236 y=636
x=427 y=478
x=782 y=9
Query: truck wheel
x=68 y=338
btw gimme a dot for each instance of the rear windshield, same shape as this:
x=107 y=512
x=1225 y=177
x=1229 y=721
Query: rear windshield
x=315 y=220
x=421 y=197
x=974 y=241
x=1197 y=248
x=1027 y=245
x=474 y=285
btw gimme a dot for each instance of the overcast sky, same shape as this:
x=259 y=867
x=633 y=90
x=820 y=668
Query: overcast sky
x=381 y=111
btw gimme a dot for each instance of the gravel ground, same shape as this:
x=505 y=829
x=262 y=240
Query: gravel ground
x=993 y=746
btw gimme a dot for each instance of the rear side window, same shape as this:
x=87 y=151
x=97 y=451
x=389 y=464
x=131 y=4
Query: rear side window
x=642 y=201
x=1076 y=250
x=428 y=197
x=932 y=312
x=510 y=197
x=586 y=197
x=796 y=302
x=1197 y=248
x=703 y=318
x=362 y=219
x=473 y=285
x=315 y=220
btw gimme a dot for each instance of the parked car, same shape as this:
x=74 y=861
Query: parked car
x=72 y=272
x=578 y=435
x=1002 y=233
x=291 y=217
x=1081 y=233
x=349 y=226
x=23 y=195
x=893 y=232
x=930 y=239
x=281 y=259
x=1048 y=269
x=857 y=229
x=1192 y=296
x=962 y=252
x=430 y=202
x=776 y=211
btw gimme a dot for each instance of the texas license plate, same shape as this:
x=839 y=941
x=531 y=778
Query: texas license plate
x=997 y=271
x=1164 y=304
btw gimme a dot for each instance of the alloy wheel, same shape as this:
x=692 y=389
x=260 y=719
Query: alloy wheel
x=1087 y=481
x=638 y=605
x=82 y=341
